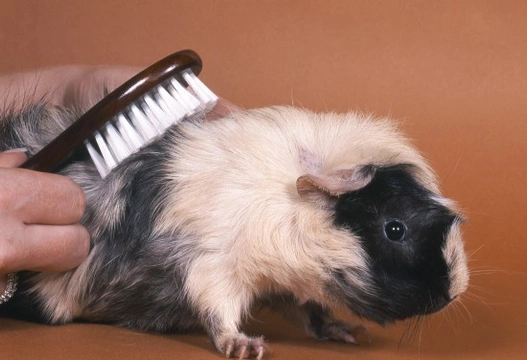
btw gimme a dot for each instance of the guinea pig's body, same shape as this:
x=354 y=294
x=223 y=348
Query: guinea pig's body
x=305 y=211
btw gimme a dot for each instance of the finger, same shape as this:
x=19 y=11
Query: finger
x=40 y=198
x=12 y=158
x=51 y=248
x=87 y=89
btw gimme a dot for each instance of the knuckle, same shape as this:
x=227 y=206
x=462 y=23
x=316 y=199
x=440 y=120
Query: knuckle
x=74 y=248
x=5 y=199
x=83 y=242
x=78 y=199
x=9 y=237
x=5 y=262
x=84 y=235
x=8 y=194
x=81 y=202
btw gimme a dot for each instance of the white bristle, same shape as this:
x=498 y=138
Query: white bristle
x=185 y=98
x=120 y=150
x=109 y=160
x=202 y=92
x=152 y=110
x=138 y=114
x=144 y=127
x=97 y=159
x=147 y=118
x=127 y=131
x=169 y=104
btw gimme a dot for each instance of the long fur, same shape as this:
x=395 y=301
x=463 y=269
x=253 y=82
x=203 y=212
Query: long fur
x=206 y=222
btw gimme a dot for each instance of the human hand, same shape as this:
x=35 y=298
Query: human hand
x=85 y=89
x=75 y=87
x=39 y=215
x=39 y=211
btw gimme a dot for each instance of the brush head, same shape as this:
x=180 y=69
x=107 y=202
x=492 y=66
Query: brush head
x=132 y=115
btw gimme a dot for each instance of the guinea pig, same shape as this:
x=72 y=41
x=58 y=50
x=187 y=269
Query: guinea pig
x=279 y=206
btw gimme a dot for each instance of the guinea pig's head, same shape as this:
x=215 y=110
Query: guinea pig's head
x=409 y=235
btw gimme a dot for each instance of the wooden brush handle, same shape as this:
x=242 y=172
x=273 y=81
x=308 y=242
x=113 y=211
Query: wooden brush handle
x=52 y=155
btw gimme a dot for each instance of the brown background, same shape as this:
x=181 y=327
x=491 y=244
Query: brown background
x=455 y=73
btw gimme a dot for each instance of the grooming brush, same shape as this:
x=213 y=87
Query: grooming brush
x=132 y=115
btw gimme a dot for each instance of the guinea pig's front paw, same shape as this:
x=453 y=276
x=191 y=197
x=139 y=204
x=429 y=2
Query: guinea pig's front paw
x=341 y=331
x=241 y=346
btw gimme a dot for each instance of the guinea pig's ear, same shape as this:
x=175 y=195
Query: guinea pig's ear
x=336 y=182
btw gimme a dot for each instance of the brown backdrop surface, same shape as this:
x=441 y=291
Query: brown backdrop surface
x=454 y=73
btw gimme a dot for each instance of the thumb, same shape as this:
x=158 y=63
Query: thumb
x=12 y=158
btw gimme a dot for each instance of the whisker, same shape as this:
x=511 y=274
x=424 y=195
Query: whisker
x=474 y=252
x=403 y=335
x=454 y=168
x=472 y=296
x=459 y=317
x=415 y=329
x=481 y=300
x=486 y=270
x=421 y=321
x=463 y=306
x=409 y=332
x=448 y=315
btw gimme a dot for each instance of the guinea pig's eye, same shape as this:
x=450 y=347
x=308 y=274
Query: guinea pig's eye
x=395 y=230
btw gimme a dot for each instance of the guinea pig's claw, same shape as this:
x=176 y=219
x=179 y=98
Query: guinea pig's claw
x=350 y=339
x=341 y=331
x=357 y=335
x=260 y=354
x=242 y=352
x=228 y=350
x=244 y=347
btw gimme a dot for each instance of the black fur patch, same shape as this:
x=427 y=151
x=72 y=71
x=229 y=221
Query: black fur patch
x=410 y=276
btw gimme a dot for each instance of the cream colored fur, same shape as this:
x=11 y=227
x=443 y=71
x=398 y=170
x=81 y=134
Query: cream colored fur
x=284 y=242
x=243 y=230
x=456 y=261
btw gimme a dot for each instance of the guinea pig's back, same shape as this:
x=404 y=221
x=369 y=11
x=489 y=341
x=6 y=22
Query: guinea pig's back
x=244 y=168
x=284 y=141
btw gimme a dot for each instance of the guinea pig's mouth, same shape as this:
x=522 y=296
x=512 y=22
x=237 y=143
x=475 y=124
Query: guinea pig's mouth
x=385 y=306
x=435 y=305
x=383 y=312
x=368 y=304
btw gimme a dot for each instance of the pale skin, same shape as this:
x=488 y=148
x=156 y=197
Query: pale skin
x=40 y=212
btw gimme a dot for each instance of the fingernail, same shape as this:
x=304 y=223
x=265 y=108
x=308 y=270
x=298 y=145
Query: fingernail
x=24 y=150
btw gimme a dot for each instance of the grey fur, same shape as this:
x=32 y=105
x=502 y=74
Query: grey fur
x=206 y=222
